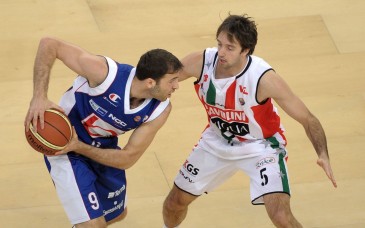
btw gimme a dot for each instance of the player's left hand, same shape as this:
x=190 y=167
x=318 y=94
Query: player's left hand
x=326 y=166
x=73 y=145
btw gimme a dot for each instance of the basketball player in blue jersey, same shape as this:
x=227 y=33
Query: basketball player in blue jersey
x=244 y=132
x=107 y=99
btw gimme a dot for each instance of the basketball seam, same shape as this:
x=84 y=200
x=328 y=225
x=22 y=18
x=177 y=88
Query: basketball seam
x=43 y=141
x=54 y=127
x=65 y=118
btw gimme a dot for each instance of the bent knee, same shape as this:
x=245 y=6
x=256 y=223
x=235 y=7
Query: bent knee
x=178 y=199
x=283 y=219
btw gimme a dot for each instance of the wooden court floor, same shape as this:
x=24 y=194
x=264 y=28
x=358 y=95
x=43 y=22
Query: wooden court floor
x=317 y=46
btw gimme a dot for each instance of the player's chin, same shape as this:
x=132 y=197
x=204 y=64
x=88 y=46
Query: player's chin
x=163 y=98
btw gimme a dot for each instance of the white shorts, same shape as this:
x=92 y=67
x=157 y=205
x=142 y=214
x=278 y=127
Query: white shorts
x=203 y=171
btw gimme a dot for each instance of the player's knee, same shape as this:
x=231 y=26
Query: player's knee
x=175 y=202
x=281 y=218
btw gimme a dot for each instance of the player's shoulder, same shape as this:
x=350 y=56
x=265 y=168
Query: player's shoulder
x=162 y=108
x=259 y=62
x=211 y=51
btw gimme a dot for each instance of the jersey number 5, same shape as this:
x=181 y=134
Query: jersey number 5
x=264 y=177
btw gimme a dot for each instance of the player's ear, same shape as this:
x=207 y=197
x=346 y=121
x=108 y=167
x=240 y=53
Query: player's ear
x=150 y=83
x=245 y=51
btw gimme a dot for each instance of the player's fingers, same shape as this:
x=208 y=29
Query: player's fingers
x=331 y=176
x=58 y=153
x=328 y=170
x=35 y=122
x=27 y=121
x=41 y=119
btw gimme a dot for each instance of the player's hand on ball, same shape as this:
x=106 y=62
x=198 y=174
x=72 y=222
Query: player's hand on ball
x=36 y=111
x=73 y=145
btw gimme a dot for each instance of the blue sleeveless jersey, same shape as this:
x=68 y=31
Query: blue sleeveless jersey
x=101 y=113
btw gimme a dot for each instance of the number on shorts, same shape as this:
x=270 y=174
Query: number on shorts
x=96 y=144
x=93 y=200
x=264 y=177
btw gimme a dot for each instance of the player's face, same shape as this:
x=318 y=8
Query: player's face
x=230 y=54
x=165 y=87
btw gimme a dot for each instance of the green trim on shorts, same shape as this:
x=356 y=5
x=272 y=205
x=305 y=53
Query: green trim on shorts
x=283 y=173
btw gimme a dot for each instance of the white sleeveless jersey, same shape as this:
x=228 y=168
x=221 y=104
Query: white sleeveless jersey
x=234 y=113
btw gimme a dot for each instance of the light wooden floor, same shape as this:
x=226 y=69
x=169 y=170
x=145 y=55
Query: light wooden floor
x=317 y=46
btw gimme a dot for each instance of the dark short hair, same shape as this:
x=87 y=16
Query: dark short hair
x=156 y=63
x=242 y=28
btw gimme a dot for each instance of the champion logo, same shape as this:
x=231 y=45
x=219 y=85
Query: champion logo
x=114 y=97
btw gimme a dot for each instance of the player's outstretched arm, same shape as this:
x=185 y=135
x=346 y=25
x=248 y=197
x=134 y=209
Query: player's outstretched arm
x=272 y=85
x=137 y=144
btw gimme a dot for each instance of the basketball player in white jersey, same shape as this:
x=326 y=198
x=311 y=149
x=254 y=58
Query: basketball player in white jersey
x=244 y=132
x=106 y=99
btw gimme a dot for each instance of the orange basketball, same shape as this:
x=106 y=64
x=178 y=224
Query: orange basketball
x=56 y=134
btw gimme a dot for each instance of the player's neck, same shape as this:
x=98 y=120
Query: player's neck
x=138 y=92
x=135 y=102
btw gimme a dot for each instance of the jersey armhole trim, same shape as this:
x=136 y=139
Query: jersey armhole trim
x=257 y=87
x=202 y=70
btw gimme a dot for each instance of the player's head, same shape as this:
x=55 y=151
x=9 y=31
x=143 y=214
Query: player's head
x=159 y=69
x=240 y=28
x=156 y=63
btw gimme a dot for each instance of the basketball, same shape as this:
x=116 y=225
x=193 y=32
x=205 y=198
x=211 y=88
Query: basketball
x=55 y=135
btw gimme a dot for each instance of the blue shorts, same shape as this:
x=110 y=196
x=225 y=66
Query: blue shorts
x=87 y=189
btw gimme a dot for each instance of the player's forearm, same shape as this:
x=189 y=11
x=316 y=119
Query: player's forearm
x=116 y=158
x=45 y=58
x=317 y=136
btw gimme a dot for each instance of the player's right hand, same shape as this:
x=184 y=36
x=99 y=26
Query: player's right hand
x=36 y=111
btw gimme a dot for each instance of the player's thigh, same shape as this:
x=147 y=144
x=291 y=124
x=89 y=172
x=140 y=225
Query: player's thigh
x=277 y=203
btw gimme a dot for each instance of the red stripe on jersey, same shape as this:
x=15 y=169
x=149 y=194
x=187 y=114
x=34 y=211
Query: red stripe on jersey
x=267 y=118
x=231 y=96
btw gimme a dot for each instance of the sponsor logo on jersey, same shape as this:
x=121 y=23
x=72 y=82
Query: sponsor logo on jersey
x=116 y=207
x=243 y=89
x=116 y=193
x=114 y=97
x=96 y=127
x=97 y=108
x=205 y=77
x=137 y=118
x=228 y=115
x=116 y=120
x=186 y=177
x=265 y=161
x=242 y=101
x=190 y=168
x=235 y=128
